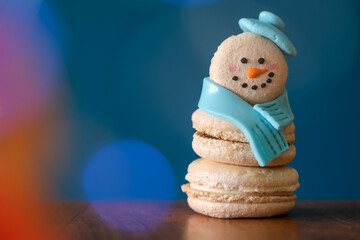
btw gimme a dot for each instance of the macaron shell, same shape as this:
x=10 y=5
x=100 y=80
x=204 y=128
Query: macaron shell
x=252 y=47
x=246 y=179
x=237 y=198
x=237 y=153
x=217 y=127
x=228 y=191
x=239 y=210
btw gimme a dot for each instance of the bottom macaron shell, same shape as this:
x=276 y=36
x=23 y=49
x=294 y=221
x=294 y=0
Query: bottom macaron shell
x=231 y=152
x=239 y=210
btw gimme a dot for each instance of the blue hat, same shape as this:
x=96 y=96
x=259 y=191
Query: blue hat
x=270 y=26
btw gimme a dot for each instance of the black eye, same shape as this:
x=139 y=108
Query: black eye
x=261 y=60
x=235 y=78
x=243 y=60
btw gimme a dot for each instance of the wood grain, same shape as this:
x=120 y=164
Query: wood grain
x=175 y=220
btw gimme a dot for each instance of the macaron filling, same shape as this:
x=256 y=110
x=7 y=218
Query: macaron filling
x=237 y=198
x=205 y=135
x=208 y=136
x=279 y=191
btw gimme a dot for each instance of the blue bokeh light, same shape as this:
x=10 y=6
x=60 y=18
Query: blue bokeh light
x=121 y=178
x=128 y=170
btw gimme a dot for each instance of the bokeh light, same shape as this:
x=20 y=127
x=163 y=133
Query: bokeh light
x=129 y=172
x=29 y=63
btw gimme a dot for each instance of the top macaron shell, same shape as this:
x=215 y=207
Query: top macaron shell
x=229 y=69
x=215 y=175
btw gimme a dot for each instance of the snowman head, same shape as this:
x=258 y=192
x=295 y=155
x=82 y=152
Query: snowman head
x=252 y=64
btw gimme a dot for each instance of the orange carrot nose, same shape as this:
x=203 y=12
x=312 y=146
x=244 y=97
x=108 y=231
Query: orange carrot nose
x=254 y=72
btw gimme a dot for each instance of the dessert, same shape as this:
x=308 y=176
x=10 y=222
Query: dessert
x=245 y=130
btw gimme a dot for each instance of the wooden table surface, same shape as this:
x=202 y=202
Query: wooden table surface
x=175 y=220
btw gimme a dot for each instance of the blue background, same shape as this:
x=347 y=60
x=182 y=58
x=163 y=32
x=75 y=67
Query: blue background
x=134 y=70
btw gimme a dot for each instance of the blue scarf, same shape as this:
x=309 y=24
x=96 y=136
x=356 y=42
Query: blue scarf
x=261 y=124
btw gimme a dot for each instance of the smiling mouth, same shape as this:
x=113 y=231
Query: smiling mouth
x=254 y=87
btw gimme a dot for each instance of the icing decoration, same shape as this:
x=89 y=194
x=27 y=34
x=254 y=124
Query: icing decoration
x=273 y=66
x=232 y=68
x=270 y=26
x=263 y=85
x=255 y=72
x=243 y=60
x=273 y=19
x=235 y=78
x=277 y=112
x=266 y=142
x=261 y=60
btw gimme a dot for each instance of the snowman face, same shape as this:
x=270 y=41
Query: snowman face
x=251 y=66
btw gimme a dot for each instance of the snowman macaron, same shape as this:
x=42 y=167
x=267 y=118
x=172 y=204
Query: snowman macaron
x=244 y=125
x=251 y=65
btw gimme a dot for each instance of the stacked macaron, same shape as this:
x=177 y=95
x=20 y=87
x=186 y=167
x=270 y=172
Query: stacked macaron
x=221 y=141
x=242 y=171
